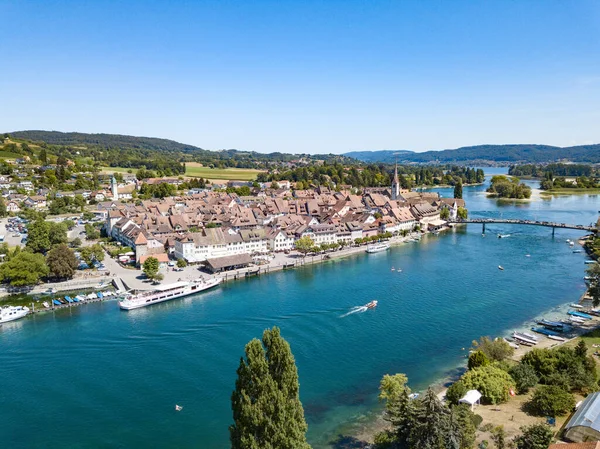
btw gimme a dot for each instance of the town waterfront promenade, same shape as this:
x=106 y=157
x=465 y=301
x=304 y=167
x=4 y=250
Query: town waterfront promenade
x=120 y=373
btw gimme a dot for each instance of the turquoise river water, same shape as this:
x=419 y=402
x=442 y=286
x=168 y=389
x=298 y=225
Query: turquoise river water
x=94 y=376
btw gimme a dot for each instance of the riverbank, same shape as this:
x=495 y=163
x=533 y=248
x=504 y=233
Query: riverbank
x=570 y=191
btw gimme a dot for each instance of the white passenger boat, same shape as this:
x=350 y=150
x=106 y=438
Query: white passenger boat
x=377 y=247
x=164 y=293
x=11 y=313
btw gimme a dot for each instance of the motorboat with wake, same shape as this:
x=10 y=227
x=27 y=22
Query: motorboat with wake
x=371 y=305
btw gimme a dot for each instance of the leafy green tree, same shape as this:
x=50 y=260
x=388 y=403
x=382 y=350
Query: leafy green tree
x=444 y=213
x=551 y=400
x=455 y=392
x=89 y=254
x=57 y=233
x=493 y=383
x=593 y=282
x=24 y=268
x=150 y=267
x=91 y=233
x=536 y=436
x=38 y=239
x=267 y=411
x=182 y=263
x=62 y=262
x=462 y=213
x=524 y=376
x=76 y=242
x=477 y=359
x=3 y=211
x=458 y=190
x=304 y=245
x=495 y=350
x=43 y=156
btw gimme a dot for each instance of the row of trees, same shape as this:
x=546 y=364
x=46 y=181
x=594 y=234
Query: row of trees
x=540 y=171
x=307 y=245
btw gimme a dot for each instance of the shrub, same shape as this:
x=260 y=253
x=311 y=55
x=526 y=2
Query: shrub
x=524 y=377
x=455 y=392
x=551 y=400
x=477 y=359
x=495 y=350
x=536 y=436
x=493 y=383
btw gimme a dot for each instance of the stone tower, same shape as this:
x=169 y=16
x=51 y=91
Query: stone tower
x=396 y=184
x=114 y=188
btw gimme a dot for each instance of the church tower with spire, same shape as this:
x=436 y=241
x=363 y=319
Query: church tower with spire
x=114 y=188
x=396 y=184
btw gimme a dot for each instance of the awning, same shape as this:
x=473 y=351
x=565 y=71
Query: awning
x=471 y=397
x=437 y=223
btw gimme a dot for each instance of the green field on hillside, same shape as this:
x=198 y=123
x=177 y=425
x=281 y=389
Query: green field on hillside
x=228 y=174
x=9 y=155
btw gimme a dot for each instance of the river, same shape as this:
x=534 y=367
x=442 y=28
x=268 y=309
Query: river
x=94 y=376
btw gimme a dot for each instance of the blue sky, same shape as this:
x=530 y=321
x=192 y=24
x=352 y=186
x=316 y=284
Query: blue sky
x=306 y=76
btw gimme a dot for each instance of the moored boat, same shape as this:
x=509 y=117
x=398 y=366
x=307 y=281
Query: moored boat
x=166 y=293
x=577 y=306
x=11 y=313
x=520 y=337
x=500 y=267
x=577 y=314
x=377 y=247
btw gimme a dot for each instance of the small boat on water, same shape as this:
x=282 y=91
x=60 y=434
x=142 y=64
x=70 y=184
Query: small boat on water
x=527 y=255
x=393 y=269
x=590 y=262
x=377 y=247
x=500 y=267
x=503 y=236
x=371 y=305
x=572 y=244
x=12 y=313
x=577 y=250
x=178 y=408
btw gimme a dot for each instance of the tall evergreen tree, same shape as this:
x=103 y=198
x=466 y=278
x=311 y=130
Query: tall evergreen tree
x=431 y=419
x=267 y=411
x=458 y=190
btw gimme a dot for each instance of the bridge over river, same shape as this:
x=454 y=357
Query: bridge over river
x=548 y=224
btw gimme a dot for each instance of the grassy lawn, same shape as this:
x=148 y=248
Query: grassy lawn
x=9 y=155
x=231 y=174
x=197 y=171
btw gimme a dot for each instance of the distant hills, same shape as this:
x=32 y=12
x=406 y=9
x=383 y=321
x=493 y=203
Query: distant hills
x=104 y=140
x=486 y=154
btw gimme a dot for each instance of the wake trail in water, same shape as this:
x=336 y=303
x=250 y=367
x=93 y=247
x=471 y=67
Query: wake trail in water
x=358 y=309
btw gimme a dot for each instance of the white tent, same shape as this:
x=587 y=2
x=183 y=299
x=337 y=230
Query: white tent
x=472 y=397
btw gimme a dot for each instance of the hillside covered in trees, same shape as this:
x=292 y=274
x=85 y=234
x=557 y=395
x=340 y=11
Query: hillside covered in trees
x=108 y=149
x=487 y=154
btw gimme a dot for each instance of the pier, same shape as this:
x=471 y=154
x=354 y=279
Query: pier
x=547 y=224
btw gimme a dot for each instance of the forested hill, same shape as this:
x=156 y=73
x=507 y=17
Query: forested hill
x=386 y=156
x=104 y=140
x=488 y=153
